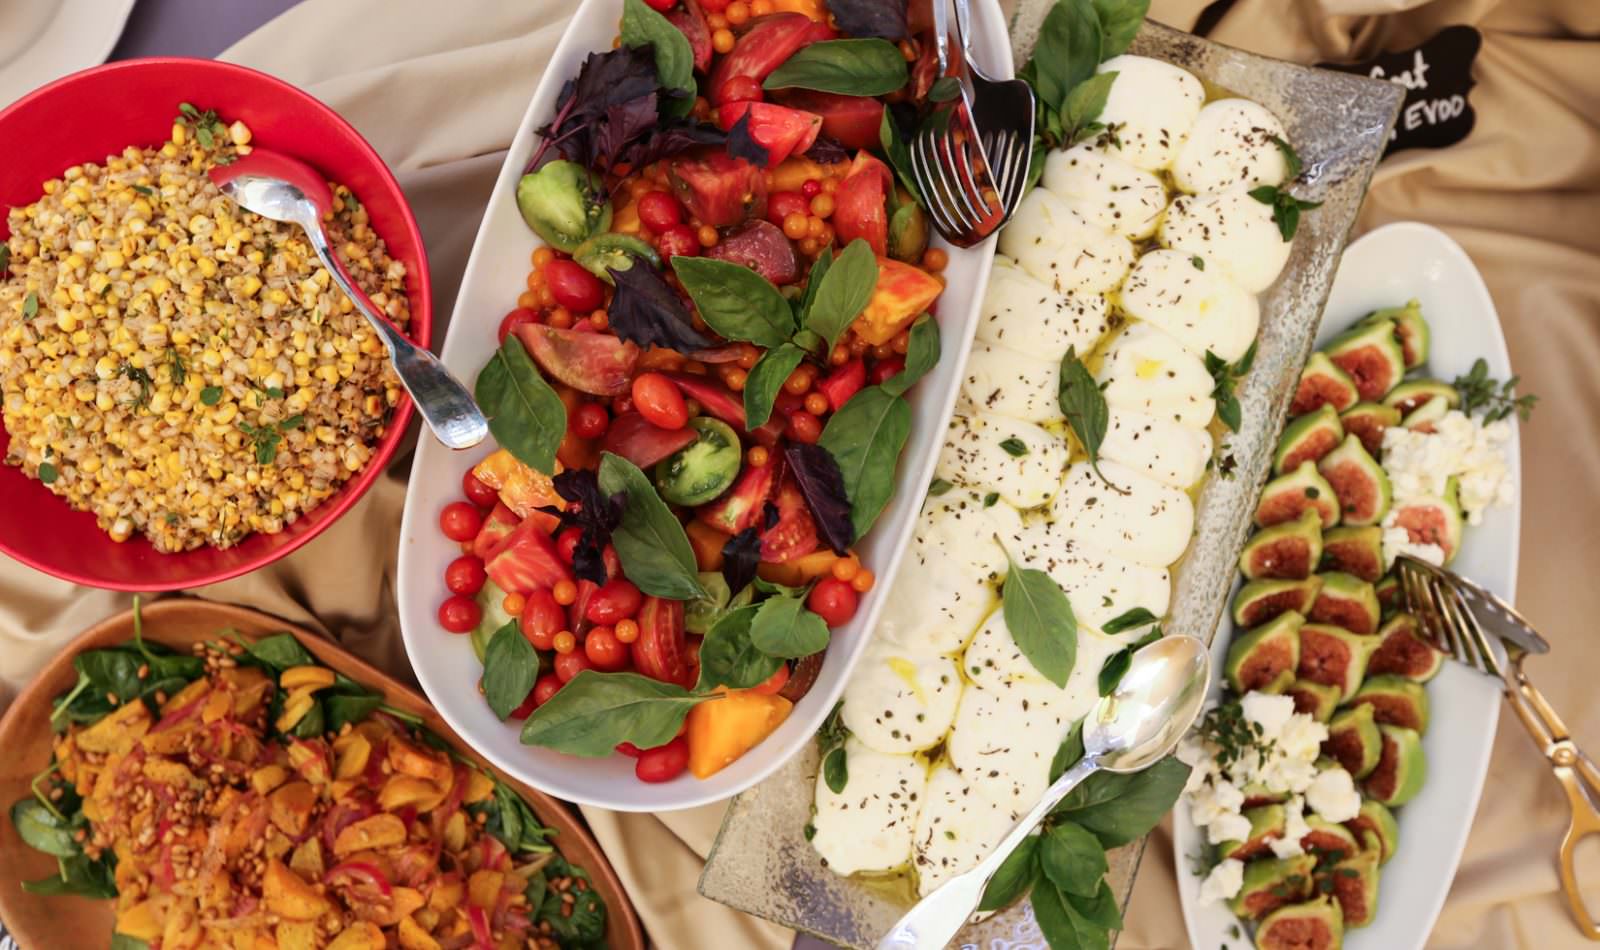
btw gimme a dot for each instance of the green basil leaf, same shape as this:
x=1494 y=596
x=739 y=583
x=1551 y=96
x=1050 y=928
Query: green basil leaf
x=1069 y=752
x=642 y=26
x=865 y=437
x=1014 y=876
x=729 y=658
x=765 y=379
x=1127 y=620
x=819 y=269
x=1119 y=22
x=1014 y=447
x=836 y=770
x=280 y=651
x=1291 y=158
x=944 y=89
x=510 y=668
x=843 y=292
x=1073 y=859
x=1063 y=927
x=596 y=712
x=525 y=415
x=1040 y=620
x=1116 y=665
x=1084 y=105
x=938 y=487
x=922 y=352
x=349 y=709
x=30 y=305
x=1084 y=405
x=736 y=301
x=1100 y=910
x=859 y=67
x=121 y=941
x=1122 y=808
x=650 y=541
x=783 y=627
x=43 y=831
x=898 y=153
x=1067 y=52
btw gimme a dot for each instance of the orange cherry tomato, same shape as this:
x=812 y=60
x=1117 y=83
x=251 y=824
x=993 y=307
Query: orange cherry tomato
x=659 y=401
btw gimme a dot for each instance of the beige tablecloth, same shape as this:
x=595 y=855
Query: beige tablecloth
x=438 y=88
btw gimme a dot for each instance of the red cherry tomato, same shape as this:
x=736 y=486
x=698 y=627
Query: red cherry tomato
x=781 y=204
x=573 y=287
x=884 y=369
x=516 y=318
x=680 y=240
x=459 y=614
x=661 y=6
x=788 y=403
x=659 y=211
x=629 y=749
x=714 y=6
x=774 y=682
x=465 y=575
x=743 y=89
x=659 y=401
x=477 y=492
x=803 y=427
x=567 y=542
x=528 y=705
x=617 y=600
x=548 y=685
x=571 y=664
x=590 y=421
x=542 y=618
x=833 y=600
x=604 y=650
x=811 y=188
x=663 y=763
x=460 y=521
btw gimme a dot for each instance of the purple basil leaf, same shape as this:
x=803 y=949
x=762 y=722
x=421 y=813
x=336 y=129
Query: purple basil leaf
x=623 y=123
x=769 y=516
x=863 y=18
x=821 y=483
x=605 y=81
x=742 y=145
x=647 y=311
x=595 y=516
x=739 y=559
x=826 y=151
x=675 y=139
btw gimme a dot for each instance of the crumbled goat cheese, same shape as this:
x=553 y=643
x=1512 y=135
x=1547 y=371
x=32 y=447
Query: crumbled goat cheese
x=1223 y=882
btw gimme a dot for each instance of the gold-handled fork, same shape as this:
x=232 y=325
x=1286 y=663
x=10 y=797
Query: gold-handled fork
x=1484 y=632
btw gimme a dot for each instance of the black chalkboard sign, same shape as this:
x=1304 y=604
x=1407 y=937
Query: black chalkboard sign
x=1437 y=77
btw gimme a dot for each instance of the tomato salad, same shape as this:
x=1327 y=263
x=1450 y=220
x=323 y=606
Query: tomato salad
x=699 y=399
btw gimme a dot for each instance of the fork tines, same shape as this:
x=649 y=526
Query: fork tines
x=1447 y=620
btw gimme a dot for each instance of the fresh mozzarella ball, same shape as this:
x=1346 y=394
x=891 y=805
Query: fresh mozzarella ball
x=1029 y=316
x=1107 y=191
x=1004 y=382
x=1134 y=517
x=1233 y=232
x=1060 y=247
x=1098 y=584
x=899 y=703
x=1231 y=144
x=1148 y=371
x=1017 y=459
x=869 y=826
x=1005 y=737
x=1151 y=108
x=1170 y=453
x=1199 y=306
x=955 y=830
x=936 y=601
x=993 y=658
x=959 y=524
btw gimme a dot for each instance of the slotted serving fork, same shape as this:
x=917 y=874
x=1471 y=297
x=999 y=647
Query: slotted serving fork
x=972 y=175
x=1479 y=629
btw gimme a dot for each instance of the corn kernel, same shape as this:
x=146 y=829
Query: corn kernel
x=208 y=267
x=66 y=321
x=239 y=133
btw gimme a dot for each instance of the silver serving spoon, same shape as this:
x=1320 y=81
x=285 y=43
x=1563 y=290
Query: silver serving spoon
x=1129 y=730
x=286 y=189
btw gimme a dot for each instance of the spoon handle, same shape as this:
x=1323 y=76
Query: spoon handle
x=443 y=401
x=935 y=919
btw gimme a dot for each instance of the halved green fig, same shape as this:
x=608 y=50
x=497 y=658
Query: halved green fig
x=1372 y=357
x=1271 y=883
x=1334 y=656
x=1395 y=701
x=1289 y=495
x=1355 y=549
x=1354 y=741
x=1353 y=884
x=1403 y=652
x=1377 y=821
x=1289 y=551
x=1266 y=823
x=1410 y=329
x=1425 y=417
x=1308 y=439
x=1317 y=700
x=1359 y=482
x=1346 y=601
x=1261 y=600
x=1328 y=840
x=1265 y=655
x=1315 y=925
x=1255 y=795
x=1402 y=767
x=1411 y=394
x=1434 y=521
x=1388 y=590
x=1368 y=421
x=1323 y=384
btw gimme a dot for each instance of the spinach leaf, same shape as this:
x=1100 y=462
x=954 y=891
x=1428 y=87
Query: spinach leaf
x=843 y=291
x=121 y=941
x=595 y=712
x=508 y=818
x=736 y=301
x=765 y=379
x=1067 y=52
x=1121 y=808
x=1040 y=619
x=865 y=437
x=583 y=924
x=341 y=709
x=729 y=658
x=1084 y=405
x=921 y=354
x=1014 y=876
x=525 y=415
x=855 y=67
x=43 y=831
x=650 y=541
x=78 y=875
x=280 y=652
x=1072 y=859
x=783 y=627
x=642 y=26
x=1061 y=923
x=114 y=671
x=1116 y=665
x=510 y=668
x=1119 y=22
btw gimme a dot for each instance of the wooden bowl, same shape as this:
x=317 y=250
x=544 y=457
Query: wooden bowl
x=25 y=737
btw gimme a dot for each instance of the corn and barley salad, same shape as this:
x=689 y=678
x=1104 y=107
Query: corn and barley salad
x=182 y=367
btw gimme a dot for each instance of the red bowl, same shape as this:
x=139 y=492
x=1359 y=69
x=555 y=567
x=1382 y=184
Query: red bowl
x=99 y=112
